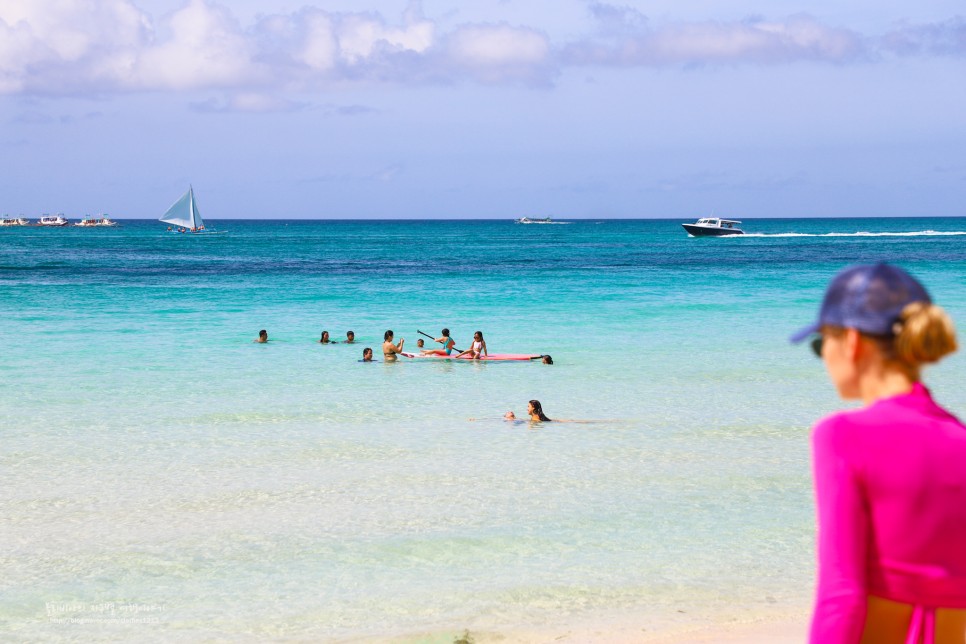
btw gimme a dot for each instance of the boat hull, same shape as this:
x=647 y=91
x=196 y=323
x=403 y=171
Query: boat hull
x=707 y=231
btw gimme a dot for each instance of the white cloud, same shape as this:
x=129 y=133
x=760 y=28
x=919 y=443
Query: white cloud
x=946 y=38
x=249 y=102
x=103 y=46
x=499 y=53
x=206 y=49
x=68 y=45
x=797 y=38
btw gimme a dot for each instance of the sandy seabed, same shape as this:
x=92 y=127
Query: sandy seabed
x=786 y=628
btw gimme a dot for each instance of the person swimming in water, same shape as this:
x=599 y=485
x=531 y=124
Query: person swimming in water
x=446 y=341
x=547 y=359
x=325 y=338
x=478 y=349
x=262 y=337
x=390 y=350
x=367 y=354
x=535 y=410
x=350 y=337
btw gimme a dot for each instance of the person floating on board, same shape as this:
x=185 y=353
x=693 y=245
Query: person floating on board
x=420 y=344
x=477 y=349
x=448 y=345
x=262 y=337
x=390 y=350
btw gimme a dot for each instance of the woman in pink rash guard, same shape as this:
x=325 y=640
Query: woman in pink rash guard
x=890 y=478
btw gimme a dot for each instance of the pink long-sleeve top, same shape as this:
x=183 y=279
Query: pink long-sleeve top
x=890 y=481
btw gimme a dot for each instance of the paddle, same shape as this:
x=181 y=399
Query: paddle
x=434 y=340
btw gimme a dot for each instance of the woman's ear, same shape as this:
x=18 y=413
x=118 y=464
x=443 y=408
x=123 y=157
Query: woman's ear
x=854 y=347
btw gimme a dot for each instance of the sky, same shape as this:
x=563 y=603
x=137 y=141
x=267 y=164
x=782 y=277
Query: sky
x=492 y=109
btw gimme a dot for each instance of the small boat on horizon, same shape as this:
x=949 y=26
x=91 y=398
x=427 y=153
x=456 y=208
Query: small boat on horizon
x=56 y=220
x=185 y=218
x=713 y=227
x=17 y=221
x=100 y=220
x=528 y=220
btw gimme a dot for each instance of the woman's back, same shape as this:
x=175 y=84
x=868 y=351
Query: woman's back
x=891 y=476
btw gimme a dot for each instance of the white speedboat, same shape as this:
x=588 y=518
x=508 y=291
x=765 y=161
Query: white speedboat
x=528 y=220
x=713 y=227
x=56 y=220
x=6 y=221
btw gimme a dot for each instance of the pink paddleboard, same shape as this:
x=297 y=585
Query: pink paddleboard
x=492 y=356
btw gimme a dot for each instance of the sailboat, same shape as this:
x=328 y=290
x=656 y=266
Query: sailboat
x=184 y=216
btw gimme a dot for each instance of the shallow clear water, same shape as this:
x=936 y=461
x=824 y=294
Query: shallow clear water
x=151 y=454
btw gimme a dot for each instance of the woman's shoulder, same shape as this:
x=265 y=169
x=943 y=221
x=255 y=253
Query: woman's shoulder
x=839 y=429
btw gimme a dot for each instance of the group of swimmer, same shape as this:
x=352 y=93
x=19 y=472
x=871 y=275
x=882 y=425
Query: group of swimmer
x=350 y=338
x=476 y=351
x=391 y=351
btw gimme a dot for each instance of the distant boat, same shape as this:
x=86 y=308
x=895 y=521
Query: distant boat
x=713 y=227
x=184 y=216
x=21 y=221
x=528 y=220
x=101 y=220
x=57 y=220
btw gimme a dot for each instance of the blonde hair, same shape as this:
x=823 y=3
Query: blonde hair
x=924 y=334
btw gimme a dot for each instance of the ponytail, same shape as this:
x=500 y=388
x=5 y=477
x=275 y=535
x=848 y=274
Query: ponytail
x=924 y=334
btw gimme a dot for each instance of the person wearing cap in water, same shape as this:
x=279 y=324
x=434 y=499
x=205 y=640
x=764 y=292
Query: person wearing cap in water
x=890 y=477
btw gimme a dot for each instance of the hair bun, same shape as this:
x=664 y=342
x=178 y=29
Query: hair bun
x=926 y=334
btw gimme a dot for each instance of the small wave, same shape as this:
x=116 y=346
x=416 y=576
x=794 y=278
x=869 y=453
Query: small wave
x=918 y=233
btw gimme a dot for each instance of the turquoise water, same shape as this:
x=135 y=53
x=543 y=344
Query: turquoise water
x=153 y=456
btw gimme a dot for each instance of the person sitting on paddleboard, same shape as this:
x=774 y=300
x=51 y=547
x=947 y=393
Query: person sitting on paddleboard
x=389 y=350
x=448 y=345
x=478 y=348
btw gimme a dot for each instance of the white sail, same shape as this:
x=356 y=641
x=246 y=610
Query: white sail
x=184 y=212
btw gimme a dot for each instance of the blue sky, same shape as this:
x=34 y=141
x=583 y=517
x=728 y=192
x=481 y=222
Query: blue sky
x=499 y=109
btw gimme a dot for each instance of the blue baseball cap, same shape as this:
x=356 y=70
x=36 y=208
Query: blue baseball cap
x=867 y=297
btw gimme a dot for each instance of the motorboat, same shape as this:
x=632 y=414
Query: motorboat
x=56 y=220
x=20 y=221
x=713 y=227
x=528 y=220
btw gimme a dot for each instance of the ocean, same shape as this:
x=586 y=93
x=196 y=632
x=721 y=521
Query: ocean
x=163 y=477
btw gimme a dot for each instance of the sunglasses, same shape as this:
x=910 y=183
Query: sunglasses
x=816 y=344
